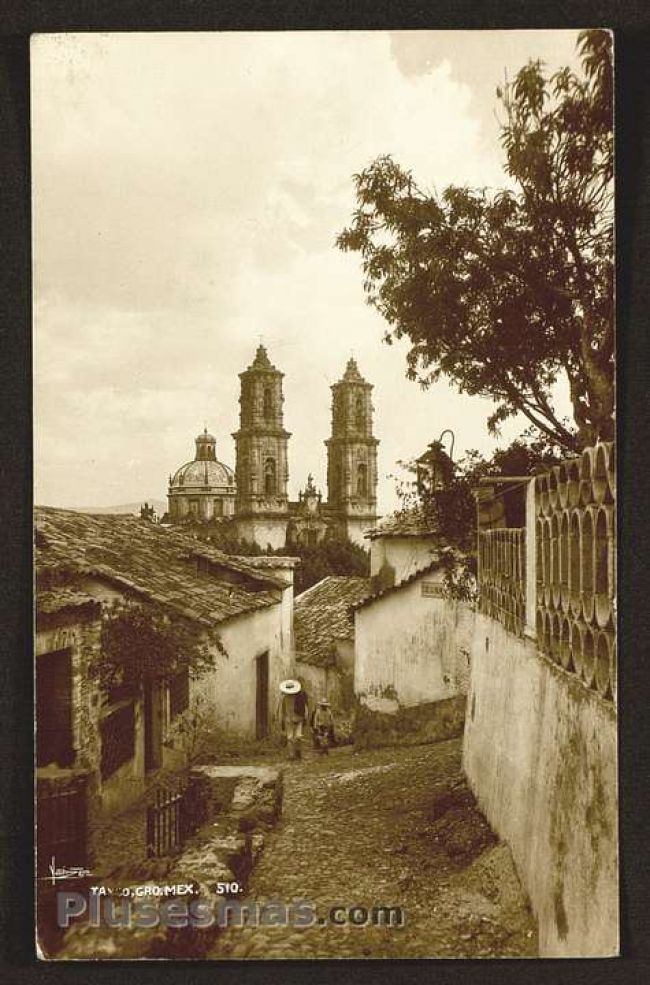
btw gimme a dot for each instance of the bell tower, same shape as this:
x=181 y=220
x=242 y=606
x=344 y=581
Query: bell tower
x=262 y=469
x=352 y=454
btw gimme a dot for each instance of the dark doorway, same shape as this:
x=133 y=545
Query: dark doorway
x=152 y=727
x=54 y=709
x=262 y=695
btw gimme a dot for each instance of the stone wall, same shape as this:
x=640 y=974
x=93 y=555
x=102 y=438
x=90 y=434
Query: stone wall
x=129 y=782
x=233 y=808
x=540 y=745
x=418 y=724
x=540 y=753
x=81 y=635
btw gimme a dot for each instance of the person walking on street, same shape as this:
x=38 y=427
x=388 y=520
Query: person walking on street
x=323 y=726
x=293 y=714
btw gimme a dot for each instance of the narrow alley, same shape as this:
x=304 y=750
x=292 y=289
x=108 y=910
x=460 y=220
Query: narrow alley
x=394 y=827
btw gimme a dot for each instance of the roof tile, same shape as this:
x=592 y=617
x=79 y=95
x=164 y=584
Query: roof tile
x=145 y=557
x=371 y=597
x=323 y=616
x=404 y=523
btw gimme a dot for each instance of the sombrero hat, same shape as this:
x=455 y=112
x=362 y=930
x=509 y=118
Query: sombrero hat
x=290 y=686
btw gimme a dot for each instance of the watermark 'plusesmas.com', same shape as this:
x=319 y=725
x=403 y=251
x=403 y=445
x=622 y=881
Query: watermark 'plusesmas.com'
x=200 y=913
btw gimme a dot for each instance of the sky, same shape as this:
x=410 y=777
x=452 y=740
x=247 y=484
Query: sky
x=187 y=193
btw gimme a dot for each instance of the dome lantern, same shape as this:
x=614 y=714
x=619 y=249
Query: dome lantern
x=206 y=447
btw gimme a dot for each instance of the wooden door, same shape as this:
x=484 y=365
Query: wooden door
x=152 y=727
x=54 y=740
x=262 y=695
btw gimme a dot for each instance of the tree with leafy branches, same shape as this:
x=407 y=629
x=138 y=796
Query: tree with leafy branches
x=333 y=556
x=504 y=292
x=145 y=643
x=448 y=507
x=338 y=556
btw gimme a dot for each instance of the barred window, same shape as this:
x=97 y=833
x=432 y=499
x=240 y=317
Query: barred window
x=117 y=731
x=179 y=693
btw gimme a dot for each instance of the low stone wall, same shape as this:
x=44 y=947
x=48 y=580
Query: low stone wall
x=248 y=797
x=233 y=806
x=430 y=722
x=540 y=753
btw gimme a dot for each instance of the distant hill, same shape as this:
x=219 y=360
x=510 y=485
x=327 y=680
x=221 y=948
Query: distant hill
x=159 y=505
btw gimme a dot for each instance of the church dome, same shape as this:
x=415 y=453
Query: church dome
x=199 y=474
x=204 y=489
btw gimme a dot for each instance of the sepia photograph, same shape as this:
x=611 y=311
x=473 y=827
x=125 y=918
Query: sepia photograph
x=325 y=618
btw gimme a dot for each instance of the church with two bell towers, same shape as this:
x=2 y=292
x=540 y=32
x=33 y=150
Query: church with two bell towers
x=253 y=503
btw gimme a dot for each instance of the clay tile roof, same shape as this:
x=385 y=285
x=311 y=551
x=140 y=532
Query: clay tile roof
x=268 y=561
x=322 y=615
x=150 y=560
x=403 y=523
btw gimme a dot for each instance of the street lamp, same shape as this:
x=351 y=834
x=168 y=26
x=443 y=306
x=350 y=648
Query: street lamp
x=436 y=466
x=451 y=447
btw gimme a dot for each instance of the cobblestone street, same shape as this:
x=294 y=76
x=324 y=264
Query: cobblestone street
x=390 y=827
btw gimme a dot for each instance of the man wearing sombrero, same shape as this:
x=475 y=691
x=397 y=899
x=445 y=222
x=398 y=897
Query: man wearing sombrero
x=293 y=715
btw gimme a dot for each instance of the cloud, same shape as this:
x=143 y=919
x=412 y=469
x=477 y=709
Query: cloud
x=188 y=189
x=481 y=61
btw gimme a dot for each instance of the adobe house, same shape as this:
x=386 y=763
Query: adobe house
x=411 y=643
x=324 y=632
x=115 y=745
x=400 y=545
x=411 y=640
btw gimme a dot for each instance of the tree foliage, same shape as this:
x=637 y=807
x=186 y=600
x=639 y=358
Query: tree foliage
x=450 y=507
x=330 y=557
x=504 y=291
x=141 y=643
x=335 y=556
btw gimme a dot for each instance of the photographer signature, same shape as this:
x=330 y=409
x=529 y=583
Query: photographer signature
x=66 y=872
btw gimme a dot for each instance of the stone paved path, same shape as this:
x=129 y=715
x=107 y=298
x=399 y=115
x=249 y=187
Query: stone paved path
x=392 y=827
